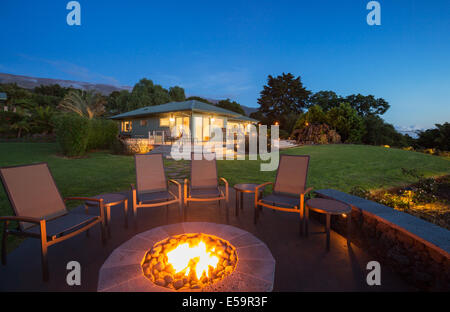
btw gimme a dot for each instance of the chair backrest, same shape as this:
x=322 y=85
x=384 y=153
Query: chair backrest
x=203 y=173
x=150 y=175
x=291 y=174
x=32 y=192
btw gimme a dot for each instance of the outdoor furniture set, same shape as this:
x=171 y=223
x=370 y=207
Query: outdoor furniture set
x=40 y=210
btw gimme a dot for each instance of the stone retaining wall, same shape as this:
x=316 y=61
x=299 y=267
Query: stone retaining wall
x=420 y=262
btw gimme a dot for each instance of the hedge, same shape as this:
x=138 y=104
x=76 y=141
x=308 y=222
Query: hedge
x=102 y=134
x=77 y=134
x=72 y=133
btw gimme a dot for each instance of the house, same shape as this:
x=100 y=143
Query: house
x=156 y=122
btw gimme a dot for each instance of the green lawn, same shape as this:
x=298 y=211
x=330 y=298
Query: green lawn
x=332 y=166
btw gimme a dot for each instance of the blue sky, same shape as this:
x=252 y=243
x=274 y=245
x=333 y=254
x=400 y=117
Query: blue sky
x=221 y=49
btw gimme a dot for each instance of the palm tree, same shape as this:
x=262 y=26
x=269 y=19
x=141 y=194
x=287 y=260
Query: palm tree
x=41 y=117
x=84 y=103
x=20 y=125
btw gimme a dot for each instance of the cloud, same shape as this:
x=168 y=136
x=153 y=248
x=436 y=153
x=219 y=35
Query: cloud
x=75 y=71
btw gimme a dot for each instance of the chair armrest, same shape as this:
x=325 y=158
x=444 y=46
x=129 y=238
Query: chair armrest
x=178 y=185
x=21 y=219
x=259 y=187
x=226 y=188
x=175 y=182
x=224 y=181
x=263 y=185
x=133 y=187
x=309 y=189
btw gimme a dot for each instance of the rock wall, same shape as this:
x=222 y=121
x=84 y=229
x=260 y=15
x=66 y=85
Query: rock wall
x=420 y=263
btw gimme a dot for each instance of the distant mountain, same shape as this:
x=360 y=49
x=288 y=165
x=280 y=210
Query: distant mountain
x=105 y=89
x=412 y=131
x=248 y=110
x=31 y=82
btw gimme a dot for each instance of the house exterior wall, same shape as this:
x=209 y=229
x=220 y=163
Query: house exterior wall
x=153 y=124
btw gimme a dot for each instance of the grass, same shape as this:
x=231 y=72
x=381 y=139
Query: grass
x=332 y=166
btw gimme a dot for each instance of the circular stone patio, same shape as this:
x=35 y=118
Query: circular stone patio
x=122 y=271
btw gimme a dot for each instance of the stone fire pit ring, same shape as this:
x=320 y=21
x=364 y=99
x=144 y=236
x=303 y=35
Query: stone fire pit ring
x=254 y=272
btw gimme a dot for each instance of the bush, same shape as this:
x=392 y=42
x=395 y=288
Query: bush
x=102 y=134
x=72 y=133
x=314 y=115
x=347 y=123
x=378 y=132
x=438 y=138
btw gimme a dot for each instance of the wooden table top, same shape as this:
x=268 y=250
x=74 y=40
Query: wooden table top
x=246 y=187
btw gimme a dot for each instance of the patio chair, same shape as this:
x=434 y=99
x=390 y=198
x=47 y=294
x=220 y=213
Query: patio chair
x=204 y=184
x=152 y=187
x=41 y=211
x=289 y=189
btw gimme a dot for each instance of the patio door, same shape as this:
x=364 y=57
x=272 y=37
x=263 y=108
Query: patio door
x=198 y=128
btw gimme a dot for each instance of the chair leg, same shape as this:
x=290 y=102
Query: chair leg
x=108 y=220
x=237 y=203
x=135 y=215
x=328 y=230
x=125 y=211
x=256 y=214
x=45 y=274
x=86 y=209
x=306 y=221
x=180 y=206
x=44 y=259
x=4 y=239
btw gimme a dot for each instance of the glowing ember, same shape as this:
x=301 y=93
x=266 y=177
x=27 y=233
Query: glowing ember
x=189 y=261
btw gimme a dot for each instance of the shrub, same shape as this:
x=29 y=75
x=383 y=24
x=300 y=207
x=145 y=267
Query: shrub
x=72 y=133
x=347 y=123
x=438 y=138
x=314 y=115
x=102 y=134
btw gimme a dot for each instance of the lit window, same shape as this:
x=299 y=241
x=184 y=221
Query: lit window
x=126 y=126
x=164 y=122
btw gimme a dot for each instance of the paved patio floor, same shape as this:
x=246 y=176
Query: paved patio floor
x=302 y=264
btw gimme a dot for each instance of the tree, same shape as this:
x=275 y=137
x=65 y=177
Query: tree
x=325 y=99
x=378 y=132
x=438 y=137
x=176 y=94
x=145 y=93
x=232 y=106
x=367 y=105
x=200 y=99
x=315 y=114
x=20 y=122
x=118 y=102
x=84 y=103
x=41 y=119
x=281 y=96
x=347 y=123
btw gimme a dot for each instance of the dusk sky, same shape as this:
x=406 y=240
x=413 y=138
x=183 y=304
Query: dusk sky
x=226 y=49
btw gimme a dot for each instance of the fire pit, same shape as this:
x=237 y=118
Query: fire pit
x=189 y=261
x=192 y=256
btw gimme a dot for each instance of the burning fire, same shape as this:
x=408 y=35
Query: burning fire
x=189 y=261
x=182 y=255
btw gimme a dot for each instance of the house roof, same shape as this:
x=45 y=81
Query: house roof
x=193 y=105
x=3 y=96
